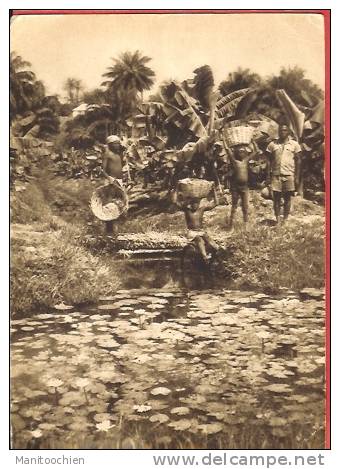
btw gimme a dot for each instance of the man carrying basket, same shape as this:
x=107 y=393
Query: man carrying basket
x=240 y=149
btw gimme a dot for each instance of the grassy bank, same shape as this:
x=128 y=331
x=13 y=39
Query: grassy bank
x=52 y=262
x=263 y=256
x=48 y=264
x=269 y=258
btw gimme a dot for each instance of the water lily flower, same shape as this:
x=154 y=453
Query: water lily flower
x=55 y=383
x=36 y=433
x=104 y=426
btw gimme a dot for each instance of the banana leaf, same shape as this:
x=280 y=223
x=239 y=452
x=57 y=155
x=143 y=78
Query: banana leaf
x=229 y=110
x=318 y=115
x=230 y=97
x=308 y=99
x=181 y=109
x=33 y=132
x=203 y=86
x=245 y=104
x=28 y=120
x=230 y=105
x=295 y=117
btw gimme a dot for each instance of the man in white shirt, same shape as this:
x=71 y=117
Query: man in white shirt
x=283 y=170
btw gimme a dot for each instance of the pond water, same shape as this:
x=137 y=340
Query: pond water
x=170 y=366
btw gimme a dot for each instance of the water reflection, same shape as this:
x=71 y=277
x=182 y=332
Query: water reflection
x=169 y=273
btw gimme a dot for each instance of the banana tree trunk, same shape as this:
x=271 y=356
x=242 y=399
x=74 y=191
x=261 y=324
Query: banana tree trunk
x=211 y=120
x=213 y=102
x=300 y=187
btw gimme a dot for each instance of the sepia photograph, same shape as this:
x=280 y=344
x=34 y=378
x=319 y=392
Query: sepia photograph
x=169 y=229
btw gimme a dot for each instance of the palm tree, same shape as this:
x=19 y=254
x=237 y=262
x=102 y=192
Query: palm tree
x=73 y=88
x=22 y=85
x=238 y=80
x=300 y=89
x=129 y=74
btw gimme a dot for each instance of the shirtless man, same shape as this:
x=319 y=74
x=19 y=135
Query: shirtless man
x=113 y=168
x=239 y=185
x=193 y=211
x=112 y=159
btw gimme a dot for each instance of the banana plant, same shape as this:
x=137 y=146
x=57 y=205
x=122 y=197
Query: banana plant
x=307 y=123
x=194 y=110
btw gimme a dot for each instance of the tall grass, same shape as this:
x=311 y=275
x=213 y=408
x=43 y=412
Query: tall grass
x=290 y=256
x=130 y=435
x=56 y=269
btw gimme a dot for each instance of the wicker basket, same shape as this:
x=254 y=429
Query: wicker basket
x=194 y=188
x=108 y=202
x=240 y=135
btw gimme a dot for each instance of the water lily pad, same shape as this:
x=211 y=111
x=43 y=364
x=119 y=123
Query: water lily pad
x=73 y=399
x=211 y=428
x=312 y=292
x=160 y=391
x=279 y=388
x=155 y=306
x=63 y=307
x=142 y=408
x=264 y=334
x=160 y=418
x=82 y=382
x=102 y=417
x=197 y=314
x=277 y=422
x=17 y=422
x=68 y=319
x=180 y=411
x=108 y=307
x=180 y=425
x=79 y=426
x=47 y=426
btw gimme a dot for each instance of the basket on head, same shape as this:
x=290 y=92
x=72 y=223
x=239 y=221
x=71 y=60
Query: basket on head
x=240 y=135
x=108 y=202
x=194 y=188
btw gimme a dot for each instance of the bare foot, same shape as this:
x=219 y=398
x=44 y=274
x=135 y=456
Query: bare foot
x=230 y=226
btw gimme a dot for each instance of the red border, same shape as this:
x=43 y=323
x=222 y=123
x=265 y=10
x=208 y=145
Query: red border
x=327 y=25
x=327 y=28
x=115 y=12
